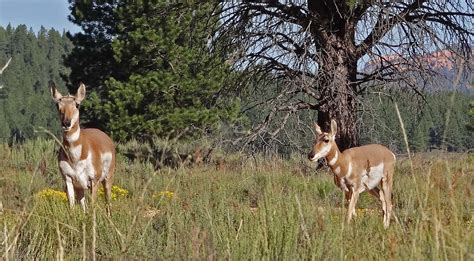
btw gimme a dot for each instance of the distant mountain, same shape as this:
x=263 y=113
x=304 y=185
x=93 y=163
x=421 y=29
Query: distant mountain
x=442 y=65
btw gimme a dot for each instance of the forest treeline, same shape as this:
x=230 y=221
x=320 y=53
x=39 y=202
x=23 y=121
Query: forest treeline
x=438 y=121
x=25 y=100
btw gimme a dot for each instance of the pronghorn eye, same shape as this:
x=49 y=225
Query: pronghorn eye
x=326 y=141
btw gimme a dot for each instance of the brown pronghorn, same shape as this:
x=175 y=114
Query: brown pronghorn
x=87 y=157
x=357 y=170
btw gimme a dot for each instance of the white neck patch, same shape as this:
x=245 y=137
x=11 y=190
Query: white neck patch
x=322 y=153
x=73 y=137
x=75 y=152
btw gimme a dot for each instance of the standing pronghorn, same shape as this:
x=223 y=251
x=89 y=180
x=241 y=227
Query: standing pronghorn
x=357 y=170
x=87 y=157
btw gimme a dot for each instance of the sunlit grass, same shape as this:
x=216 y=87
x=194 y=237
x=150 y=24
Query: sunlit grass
x=163 y=194
x=265 y=209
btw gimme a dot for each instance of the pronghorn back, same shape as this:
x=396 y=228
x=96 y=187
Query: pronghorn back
x=372 y=153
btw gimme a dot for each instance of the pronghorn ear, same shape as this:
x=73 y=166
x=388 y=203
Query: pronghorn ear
x=81 y=93
x=318 y=129
x=333 y=128
x=55 y=94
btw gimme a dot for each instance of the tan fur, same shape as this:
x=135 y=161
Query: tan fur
x=83 y=151
x=93 y=140
x=356 y=169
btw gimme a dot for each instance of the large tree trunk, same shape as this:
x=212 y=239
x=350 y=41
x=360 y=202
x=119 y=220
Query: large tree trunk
x=343 y=110
x=337 y=76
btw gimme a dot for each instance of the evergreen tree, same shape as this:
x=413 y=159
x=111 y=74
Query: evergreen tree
x=25 y=103
x=470 y=113
x=425 y=126
x=165 y=80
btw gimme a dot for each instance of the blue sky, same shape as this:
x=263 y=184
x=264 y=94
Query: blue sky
x=35 y=13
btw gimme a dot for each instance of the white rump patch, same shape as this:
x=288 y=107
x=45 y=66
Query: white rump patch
x=106 y=159
x=372 y=179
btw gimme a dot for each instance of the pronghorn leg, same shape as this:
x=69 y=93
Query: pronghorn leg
x=383 y=196
x=352 y=204
x=387 y=189
x=384 y=203
x=94 y=188
x=81 y=197
x=347 y=196
x=375 y=192
x=107 y=184
x=70 y=191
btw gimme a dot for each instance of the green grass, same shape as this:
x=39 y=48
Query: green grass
x=258 y=209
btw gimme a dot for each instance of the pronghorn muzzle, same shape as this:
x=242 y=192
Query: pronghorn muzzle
x=66 y=123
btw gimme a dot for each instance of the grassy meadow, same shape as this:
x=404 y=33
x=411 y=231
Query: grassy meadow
x=245 y=208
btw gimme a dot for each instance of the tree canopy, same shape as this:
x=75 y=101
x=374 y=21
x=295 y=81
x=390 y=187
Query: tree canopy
x=151 y=69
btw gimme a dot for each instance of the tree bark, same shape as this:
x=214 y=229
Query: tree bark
x=337 y=76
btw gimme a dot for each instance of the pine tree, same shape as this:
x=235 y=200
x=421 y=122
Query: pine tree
x=25 y=102
x=470 y=113
x=166 y=81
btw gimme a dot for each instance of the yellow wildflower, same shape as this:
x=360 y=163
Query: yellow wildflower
x=117 y=192
x=51 y=194
x=164 y=194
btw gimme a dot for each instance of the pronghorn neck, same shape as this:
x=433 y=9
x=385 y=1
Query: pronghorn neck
x=72 y=136
x=335 y=158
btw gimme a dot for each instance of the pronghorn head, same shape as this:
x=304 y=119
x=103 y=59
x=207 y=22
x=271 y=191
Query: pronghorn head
x=68 y=106
x=323 y=143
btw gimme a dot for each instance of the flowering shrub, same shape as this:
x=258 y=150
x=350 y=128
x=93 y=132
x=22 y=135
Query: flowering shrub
x=51 y=194
x=117 y=192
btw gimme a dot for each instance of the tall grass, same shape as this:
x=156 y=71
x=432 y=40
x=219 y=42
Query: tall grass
x=263 y=209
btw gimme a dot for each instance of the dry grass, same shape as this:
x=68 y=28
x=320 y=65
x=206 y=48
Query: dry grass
x=271 y=209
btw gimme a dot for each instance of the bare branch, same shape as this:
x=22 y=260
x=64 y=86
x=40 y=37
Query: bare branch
x=316 y=51
x=385 y=24
x=6 y=65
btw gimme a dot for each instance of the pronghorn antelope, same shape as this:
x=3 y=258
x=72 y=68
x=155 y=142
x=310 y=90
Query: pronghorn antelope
x=357 y=170
x=87 y=156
